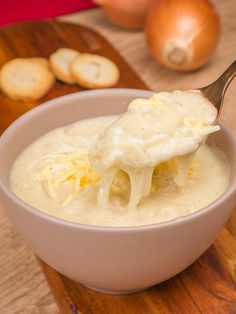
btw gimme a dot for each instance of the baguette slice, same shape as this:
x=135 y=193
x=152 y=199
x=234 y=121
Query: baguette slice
x=26 y=79
x=94 y=71
x=60 y=62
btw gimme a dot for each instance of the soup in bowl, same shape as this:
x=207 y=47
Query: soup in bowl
x=113 y=257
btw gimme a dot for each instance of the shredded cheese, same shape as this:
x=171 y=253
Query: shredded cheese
x=75 y=166
x=68 y=166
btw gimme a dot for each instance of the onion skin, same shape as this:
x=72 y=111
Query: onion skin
x=129 y=14
x=182 y=34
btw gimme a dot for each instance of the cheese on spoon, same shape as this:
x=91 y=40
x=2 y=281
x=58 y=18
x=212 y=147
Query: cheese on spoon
x=151 y=132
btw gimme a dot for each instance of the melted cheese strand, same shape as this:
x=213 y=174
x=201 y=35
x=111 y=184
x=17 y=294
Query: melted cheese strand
x=183 y=169
x=140 y=182
x=105 y=187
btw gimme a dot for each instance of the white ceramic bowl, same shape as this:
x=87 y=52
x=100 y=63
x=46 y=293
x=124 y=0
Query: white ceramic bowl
x=111 y=259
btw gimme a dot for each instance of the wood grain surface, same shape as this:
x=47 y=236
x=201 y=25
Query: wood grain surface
x=208 y=286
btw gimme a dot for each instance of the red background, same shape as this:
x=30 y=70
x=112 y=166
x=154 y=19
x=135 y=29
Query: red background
x=20 y=10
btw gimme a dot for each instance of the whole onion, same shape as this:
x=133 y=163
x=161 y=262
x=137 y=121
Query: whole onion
x=182 y=34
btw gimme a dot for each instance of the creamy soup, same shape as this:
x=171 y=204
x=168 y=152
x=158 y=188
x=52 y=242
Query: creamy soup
x=144 y=167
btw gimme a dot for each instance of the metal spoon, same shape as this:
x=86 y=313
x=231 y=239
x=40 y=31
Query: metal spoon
x=215 y=91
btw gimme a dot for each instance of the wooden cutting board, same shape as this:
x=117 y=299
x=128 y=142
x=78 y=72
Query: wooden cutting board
x=209 y=285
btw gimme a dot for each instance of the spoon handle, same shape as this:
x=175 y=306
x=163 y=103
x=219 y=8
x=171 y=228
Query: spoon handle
x=215 y=92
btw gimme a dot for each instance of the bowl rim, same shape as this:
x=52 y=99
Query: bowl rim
x=76 y=225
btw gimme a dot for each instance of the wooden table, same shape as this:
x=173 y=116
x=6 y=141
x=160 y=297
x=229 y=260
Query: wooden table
x=23 y=288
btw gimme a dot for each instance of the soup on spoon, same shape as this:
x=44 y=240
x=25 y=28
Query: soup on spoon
x=151 y=132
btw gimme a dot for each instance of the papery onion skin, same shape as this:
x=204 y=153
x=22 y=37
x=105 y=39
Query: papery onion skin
x=182 y=34
x=129 y=14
